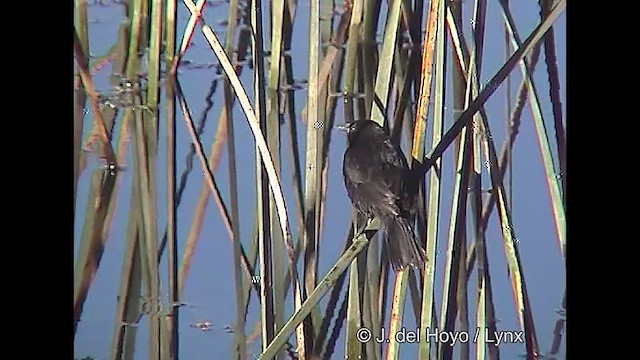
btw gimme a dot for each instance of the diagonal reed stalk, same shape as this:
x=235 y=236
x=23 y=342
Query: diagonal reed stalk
x=358 y=244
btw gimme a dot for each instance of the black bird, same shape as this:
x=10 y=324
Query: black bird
x=380 y=184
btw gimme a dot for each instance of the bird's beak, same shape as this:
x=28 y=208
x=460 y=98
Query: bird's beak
x=343 y=127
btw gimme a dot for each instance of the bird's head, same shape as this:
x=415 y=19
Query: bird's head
x=353 y=128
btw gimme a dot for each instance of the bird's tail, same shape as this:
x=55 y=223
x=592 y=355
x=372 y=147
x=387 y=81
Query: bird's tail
x=403 y=247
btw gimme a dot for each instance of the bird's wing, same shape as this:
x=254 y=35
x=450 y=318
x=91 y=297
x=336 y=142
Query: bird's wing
x=372 y=184
x=397 y=180
x=395 y=157
x=394 y=167
x=386 y=173
x=373 y=198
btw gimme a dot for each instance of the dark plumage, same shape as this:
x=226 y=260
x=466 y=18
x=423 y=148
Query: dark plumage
x=380 y=184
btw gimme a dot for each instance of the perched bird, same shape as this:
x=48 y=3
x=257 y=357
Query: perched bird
x=380 y=184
